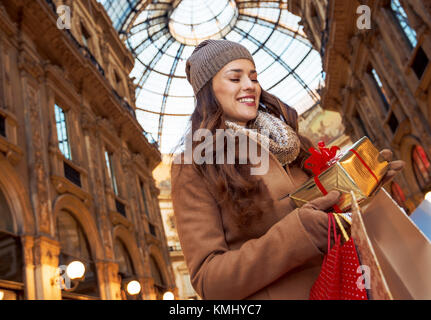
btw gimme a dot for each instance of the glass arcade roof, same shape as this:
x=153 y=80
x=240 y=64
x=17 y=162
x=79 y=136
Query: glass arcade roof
x=162 y=34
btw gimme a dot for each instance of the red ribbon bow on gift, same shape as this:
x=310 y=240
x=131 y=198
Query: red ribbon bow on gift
x=320 y=161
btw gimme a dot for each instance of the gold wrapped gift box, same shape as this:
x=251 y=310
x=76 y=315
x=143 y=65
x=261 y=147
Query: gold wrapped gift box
x=349 y=173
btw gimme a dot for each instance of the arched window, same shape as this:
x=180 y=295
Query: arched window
x=159 y=282
x=123 y=258
x=11 y=263
x=74 y=246
x=421 y=167
x=126 y=268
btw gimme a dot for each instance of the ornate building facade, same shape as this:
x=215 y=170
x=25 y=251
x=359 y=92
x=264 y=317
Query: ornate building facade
x=75 y=165
x=375 y=57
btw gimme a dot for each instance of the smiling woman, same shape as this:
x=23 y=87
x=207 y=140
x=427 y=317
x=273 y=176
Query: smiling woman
x=231 y=223
x=238 y=91
x=241 y=234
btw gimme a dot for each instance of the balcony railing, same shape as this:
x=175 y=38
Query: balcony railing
x=124 y=103
x=86 y=53
x=89 y=55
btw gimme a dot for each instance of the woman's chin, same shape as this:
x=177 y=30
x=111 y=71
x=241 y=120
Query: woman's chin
x=244 y=117
x=248 y=115
x=251 y=116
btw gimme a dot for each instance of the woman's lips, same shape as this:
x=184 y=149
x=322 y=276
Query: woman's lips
x=251 y=101
x=250 y=104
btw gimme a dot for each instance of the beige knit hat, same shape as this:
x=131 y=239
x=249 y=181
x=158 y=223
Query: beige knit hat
x=209 y=57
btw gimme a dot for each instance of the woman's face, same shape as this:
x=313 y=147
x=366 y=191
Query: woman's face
x=237 y=90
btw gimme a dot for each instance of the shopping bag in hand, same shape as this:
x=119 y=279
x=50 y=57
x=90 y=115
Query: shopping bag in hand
x=338 y=278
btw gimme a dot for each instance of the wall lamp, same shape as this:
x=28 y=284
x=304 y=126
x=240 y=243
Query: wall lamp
x=130 y=284
x=168 y=295
x=70 y=276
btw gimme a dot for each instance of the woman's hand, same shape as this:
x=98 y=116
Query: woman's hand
x=395 y=167
x=315 y=219
x=323 y=203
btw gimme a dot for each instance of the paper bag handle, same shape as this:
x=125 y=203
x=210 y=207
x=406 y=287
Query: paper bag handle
x=340 y=225
x=331 y=221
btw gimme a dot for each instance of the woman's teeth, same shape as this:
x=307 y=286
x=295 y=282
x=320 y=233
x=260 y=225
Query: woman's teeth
x=246 y=100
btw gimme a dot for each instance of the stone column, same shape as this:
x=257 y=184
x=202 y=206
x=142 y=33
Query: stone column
x=113 y=281
x=29 y=267
x=102 y=280
x=46 y=259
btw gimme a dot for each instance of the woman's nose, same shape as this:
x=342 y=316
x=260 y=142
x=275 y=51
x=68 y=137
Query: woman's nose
x=247 y=84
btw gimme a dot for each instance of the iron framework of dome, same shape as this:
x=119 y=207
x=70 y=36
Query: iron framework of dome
x=163 y=33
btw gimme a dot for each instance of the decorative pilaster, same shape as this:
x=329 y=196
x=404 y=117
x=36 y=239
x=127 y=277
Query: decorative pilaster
x=46 y=258
x=102 y=280
x=29 y=267
x=113 y=281
x=31 y=72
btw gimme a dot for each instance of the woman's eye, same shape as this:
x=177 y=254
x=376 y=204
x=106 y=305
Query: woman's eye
x=234 y=80
x=254 y=80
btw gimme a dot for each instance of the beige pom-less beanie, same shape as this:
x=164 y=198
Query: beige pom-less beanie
x=209 y=57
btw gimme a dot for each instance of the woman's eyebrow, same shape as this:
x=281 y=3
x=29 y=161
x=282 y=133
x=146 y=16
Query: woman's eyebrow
x=241 y=70
x=235 y=70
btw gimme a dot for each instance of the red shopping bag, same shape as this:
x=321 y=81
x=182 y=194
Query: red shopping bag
x=338 y=278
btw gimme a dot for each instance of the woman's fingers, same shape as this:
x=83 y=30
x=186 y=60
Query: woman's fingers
x=385 y=155
x=324 y=202
x=396 y=165
x=394 y=168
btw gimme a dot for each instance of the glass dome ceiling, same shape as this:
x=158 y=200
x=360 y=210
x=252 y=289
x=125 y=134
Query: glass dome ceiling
x=162 y=34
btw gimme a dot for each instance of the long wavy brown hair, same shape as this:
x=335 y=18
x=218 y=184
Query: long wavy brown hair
x=233 y=186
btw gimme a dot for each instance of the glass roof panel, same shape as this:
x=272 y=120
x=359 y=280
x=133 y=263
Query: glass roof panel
x=273 y=74
x=294 y=59
x=119 y=10
x=174 y=104
x=150 y=100
x=165 y=64
x=261 y=32
x=265 y=61
x=180 y=88
x=233 y=36
x=156 y=82
x=163 y=34
x=277 y=43
x=243 y=25
x=252 y=47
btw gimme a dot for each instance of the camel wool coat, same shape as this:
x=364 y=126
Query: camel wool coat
x=274 y=258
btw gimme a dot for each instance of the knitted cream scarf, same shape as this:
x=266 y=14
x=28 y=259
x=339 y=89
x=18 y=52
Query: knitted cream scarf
x=283 y=141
